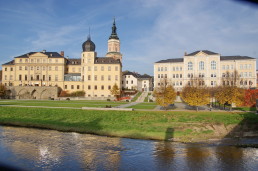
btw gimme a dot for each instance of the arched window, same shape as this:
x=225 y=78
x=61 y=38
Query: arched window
x=201 y=65
x=190 y=66
x=213 y=65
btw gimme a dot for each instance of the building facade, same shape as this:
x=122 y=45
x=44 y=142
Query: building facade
x=135 y=81
x=211 y=67
x=92 y=74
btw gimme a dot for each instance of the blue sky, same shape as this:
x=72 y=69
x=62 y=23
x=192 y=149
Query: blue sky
x=149 y=30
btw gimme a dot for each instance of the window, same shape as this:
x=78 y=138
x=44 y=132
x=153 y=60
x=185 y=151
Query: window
x=212 y=83
x=31 y=60
x=116 y=68
x=180 y=75
x=95 y=68
x=227 y=67
x=43 y=68
x=158 y=68
x=131 y=81
x=250 y=66
x=38 y=61
x=78 y=86
x=102 y=87
x=56 y=60
x=20 y=60
x=44 y=60
x=65 y=86
x=89 y=68
x=102 y=77
x=26 y=68
x=165 y=68
x=44 y=77
x=250 y=74
x=56 y=68
x=56 y=77
x=158 y=76
x=5 y=77
x=109 y=78
x=173 y=68
x=50 y=68
x=213 y=65
x=102 y=68
x=26 y=60
x=95 y=87
x=5 y=69
x=89 y=87
x=181 y=68
x=201 y=65
x=109 y=68
x=161 y=69
x=89 y=78
x=72 y=87
x=37 y=77
x=20 y=77
x=49 y=78
x=165 y=76
x=177 y=68
x=241 y=66
x=11 y=77
x=12 y=68
x=95 y=77
x=109 y=87
x=116 y=77
x=31 y=77
x=177 y=75
x=20 y=68
x=190 y=66
x=37 y=67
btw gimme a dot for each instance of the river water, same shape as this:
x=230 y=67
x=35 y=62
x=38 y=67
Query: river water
x=35 y=149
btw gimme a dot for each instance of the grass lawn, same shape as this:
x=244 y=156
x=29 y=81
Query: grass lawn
x=144 y=106
x=133 y=124
x=245 y=108
x=62 y=103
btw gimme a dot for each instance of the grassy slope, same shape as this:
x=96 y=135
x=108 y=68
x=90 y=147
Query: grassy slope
x=144 y=106
x=135 y=124
x=50 y=103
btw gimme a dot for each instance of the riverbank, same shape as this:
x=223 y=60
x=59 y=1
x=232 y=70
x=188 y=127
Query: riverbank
x=158 y=125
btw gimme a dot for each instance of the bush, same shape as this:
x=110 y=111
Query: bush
x=67 y=98
x=108 y=100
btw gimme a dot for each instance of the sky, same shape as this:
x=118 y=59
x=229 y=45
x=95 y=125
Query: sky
x=149 y=30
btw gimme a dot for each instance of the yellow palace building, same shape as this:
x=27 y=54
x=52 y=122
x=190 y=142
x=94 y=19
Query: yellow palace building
x=41 y=75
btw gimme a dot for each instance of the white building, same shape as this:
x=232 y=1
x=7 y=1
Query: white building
x=135 y=81
x=210 y=66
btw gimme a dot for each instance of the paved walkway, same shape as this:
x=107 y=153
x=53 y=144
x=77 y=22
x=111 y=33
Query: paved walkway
x=142 y=97
x=127 y=105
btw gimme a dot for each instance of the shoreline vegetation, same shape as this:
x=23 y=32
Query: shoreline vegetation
x=181 y=126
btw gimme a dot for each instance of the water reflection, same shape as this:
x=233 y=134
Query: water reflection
x=34 y=149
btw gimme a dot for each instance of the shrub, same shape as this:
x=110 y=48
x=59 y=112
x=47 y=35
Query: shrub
x=108 y=100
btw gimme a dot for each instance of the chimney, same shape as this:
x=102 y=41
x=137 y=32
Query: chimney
x=44 y=51
x=185 y=53
x=62 y=53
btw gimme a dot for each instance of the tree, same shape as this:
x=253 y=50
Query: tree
x=229 y=93
x=115 y=91
x=195 y=93
x=2 y=91
x=165 y=94
x=250 y=97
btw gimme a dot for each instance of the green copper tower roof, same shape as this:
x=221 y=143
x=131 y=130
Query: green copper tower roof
x=114 y=34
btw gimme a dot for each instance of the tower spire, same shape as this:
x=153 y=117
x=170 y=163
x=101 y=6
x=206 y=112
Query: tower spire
x=114 y=34
x=88 y=38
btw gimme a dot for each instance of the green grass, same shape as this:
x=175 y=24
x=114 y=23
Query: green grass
x=64 y=103
x=136 y=96
x=245 y=108
x=132 y=124
x=144 y=106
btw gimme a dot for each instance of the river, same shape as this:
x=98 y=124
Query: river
x=36 y=149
